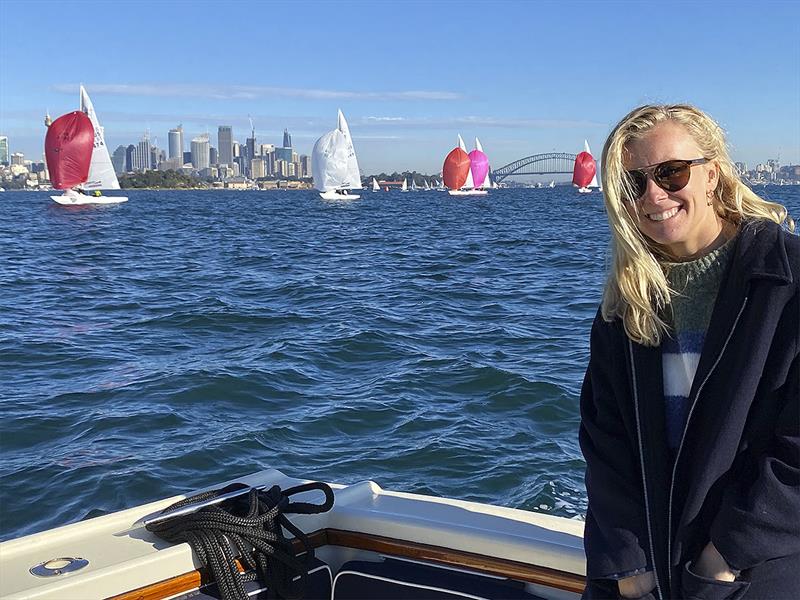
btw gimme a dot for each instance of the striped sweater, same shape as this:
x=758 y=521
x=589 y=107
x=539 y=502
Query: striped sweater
x=695 y=285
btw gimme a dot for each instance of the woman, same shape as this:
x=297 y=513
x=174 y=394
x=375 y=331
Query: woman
x=690 y=426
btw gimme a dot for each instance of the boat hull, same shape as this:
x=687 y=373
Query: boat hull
x=467 y=192
x=332 y=195
x=75 y=198
x=541 y=550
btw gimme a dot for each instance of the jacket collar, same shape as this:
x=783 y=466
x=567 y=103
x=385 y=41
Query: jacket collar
x=760 y=253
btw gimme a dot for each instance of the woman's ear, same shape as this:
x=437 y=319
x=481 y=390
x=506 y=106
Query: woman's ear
x=712 y=174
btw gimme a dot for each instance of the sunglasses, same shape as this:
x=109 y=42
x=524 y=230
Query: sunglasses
x=670 y=175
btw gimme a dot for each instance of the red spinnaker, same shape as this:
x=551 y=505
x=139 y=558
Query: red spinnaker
x=456 y=169
x=585 y=169
x=68 y=149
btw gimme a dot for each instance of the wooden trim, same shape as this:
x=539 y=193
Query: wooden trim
x=457 y=558
x=553 y=578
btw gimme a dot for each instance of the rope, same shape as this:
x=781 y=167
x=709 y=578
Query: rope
x=252 y=524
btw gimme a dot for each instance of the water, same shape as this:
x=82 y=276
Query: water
x=431 y=344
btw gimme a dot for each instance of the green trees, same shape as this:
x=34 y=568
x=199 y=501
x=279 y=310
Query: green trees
x=159 y=179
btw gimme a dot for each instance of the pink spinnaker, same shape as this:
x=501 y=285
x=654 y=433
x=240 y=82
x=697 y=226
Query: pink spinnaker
x=479 y=163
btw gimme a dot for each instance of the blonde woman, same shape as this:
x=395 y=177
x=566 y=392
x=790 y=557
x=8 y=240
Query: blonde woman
x=690 y=426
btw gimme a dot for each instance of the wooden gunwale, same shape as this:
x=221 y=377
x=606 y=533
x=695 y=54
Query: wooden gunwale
x=552 y=578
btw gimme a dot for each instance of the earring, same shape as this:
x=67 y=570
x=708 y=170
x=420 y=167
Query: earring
x=709 y=195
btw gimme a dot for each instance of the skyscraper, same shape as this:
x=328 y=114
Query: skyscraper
x=118 y=160
x=176 y=142
x=201 y=154
x=3 y=150
x=141 y=156
x=129 y=153
x=225 y=144
x=287 y=139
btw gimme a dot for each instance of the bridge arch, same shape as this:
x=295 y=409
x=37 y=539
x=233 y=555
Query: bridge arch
x=550 y=163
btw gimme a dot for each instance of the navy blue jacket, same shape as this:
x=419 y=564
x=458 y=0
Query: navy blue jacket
x=736 y=476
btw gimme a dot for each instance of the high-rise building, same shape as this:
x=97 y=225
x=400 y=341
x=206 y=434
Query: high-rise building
x=225 y=144
x=118 y=160
x=257 y=168
x=287 y=139
x=18 y=158
x=187 y=158
x=3 y=150
x=284 y=154
x=213 y=156
x=305 y=166
x=201 y=153
x=176 y=142
x=141 y=156
x=129 y=152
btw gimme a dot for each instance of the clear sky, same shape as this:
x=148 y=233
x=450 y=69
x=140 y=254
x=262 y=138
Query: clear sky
x=525 y=77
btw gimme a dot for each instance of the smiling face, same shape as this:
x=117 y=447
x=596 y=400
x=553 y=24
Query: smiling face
x=681 y=221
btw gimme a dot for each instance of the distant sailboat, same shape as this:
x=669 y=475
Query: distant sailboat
x=101 y=174
x=584 y=173
x=404 y=187
x=334 y=165
x=414 y=187
x=552 y=183
x=457 y=172
x=375 y=186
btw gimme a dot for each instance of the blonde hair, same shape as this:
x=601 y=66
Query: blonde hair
x=636 y=289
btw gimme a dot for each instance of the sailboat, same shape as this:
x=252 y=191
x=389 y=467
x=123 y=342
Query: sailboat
x=375 y=186
x=584 y=174
x=404 y=187
x=552 y=183
x=414 y=187
x=101 y=174
x=334 y=165
x=457 y=172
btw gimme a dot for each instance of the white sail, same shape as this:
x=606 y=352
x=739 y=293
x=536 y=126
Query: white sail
x=593 y=183
x=353 y=172
x=404 y=187
x=101 y=171
x=469 y=184
x=375 y=186
x=414 y=187
x=329 y=162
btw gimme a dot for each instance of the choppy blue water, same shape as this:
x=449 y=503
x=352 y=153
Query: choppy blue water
x=431 y=344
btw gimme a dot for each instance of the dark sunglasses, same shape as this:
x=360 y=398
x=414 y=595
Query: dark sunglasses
x=670 y=175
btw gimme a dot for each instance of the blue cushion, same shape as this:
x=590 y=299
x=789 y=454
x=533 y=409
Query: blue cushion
x=394 y=579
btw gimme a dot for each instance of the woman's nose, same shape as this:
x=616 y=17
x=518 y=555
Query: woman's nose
x=652 y=191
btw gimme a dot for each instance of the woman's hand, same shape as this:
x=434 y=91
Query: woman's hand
x=711 y=565
x=636 y=586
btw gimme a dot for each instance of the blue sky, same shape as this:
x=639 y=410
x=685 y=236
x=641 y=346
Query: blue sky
x=525 y=77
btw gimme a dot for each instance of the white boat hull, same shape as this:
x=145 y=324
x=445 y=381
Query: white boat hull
x=584 y=190
x=333 y=195
x=123 y=556
x=467 y=192
x=73 y=198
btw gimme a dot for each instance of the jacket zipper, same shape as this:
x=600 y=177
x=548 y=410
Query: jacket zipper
x=644 y=478
x=683 y=437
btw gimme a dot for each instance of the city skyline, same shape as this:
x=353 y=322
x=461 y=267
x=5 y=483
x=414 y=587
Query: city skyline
x=533 y=79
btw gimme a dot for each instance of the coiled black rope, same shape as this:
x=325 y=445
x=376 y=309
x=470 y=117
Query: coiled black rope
x=252 y=524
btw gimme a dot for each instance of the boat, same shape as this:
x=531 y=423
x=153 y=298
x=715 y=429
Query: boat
x=375 y=186
x=334 y=166
x=323 y=540
x=457 y=172
x=414 y=187
x=100 y=175
x=552 y=184
x=404 y=187
x=426 y=185
x=584 y=173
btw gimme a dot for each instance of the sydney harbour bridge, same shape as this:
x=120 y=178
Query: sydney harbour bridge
x=551 y=163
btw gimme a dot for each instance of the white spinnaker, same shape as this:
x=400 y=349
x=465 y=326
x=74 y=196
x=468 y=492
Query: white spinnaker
x=329 y=162
x=353 y=172
x=469 y=183
x=101 y=171
x=593 y=183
